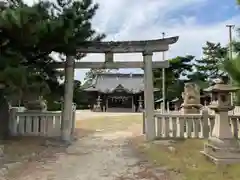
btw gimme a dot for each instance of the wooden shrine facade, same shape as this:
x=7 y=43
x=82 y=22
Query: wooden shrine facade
x=117 y=92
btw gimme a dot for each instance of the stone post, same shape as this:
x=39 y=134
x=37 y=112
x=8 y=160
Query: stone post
x=148 y=96
x=13 y=122
x=66 y=124
x=73 y=120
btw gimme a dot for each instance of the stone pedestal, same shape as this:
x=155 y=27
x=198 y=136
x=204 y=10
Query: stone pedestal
x=222 y=151
x=191 y=108
x=222 y=147
x=35 y=105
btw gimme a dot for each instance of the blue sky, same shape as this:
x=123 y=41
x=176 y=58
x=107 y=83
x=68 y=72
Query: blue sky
x=212 y=11
x=194 y=21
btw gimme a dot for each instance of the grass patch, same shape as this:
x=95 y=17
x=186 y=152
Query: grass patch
x=183 y=158
x=18 y=149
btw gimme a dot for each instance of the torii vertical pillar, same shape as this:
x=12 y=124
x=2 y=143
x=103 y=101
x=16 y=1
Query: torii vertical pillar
x=148 y=96
x=68 y=99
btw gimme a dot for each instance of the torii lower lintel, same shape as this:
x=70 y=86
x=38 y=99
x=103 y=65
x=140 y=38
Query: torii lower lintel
x=112 y=65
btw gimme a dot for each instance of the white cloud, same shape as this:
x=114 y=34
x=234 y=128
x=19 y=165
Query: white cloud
x=136 y=20
x=147 y=19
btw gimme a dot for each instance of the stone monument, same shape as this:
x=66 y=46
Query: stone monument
x=191 y=99
x=222 y=147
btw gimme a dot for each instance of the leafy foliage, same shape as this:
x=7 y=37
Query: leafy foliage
x=175 y=75
x=92 y=73
x=29 y=34
x=210 y=65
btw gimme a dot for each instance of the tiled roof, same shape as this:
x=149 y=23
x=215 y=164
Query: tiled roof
x=109 y=82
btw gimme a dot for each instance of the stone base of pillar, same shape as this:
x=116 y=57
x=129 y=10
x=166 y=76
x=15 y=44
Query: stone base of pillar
x=222 y=151
x=35 y=105
x=191 y=108
x=98 y=109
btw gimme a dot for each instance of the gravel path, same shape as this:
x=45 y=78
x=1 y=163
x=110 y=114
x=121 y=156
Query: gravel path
x=99 y=156
x=87 y=114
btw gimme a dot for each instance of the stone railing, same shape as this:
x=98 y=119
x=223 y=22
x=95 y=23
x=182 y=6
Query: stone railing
x=47 y=124
x=173 y=125
x=236 y=111
x=182 y=126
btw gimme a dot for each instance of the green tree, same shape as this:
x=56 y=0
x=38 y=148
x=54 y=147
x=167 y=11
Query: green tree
x=199 y=78
x=30 y=33
x=232 y=67
x=175 y=75
x=92 y=73
x=210 y=64
x=80 y=97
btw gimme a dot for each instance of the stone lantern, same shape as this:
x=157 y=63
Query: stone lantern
x=222 y=147
x=140 y=104
x=98 y=105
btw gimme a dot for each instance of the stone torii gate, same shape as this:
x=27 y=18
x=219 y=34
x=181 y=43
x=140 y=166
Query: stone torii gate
x=147 y=48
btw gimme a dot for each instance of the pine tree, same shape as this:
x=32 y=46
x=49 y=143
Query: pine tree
x=210 y=64
x=30 y=33
x=92 y=73
x=232 y=68
x=175 y=75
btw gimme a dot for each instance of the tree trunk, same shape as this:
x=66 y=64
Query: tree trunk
x=4 y=118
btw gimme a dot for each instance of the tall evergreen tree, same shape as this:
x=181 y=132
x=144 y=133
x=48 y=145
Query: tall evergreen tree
x=198 y=78
x=30 y=33
x=175 y=75
x=210 y=64
x=232 y=68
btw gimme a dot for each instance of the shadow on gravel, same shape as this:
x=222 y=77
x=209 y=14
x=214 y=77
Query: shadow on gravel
x=83 y=132
x=20 y=153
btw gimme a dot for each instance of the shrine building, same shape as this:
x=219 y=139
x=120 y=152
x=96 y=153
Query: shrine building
x=116 y=92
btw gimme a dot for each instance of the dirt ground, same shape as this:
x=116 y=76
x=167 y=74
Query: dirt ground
x=103 y=151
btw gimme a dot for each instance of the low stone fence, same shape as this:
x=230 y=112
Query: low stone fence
x=236 y=111
x=173 y=125
x=47 y=124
